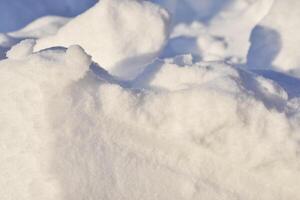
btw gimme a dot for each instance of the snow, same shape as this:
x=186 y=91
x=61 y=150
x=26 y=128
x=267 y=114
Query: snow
x=41 y=27
x=27 y=83
x=15 y=14
x=236 y=21
x=126 y=101
x=114 y=31
x=222 y=35
x=21 y=50
x=275 y=41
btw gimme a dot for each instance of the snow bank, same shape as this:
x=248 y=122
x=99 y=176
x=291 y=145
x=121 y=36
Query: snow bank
x=115 y=39
x=187 y=127
x=72 y=133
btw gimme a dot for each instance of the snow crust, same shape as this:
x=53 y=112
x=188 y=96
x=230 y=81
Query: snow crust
x=122 y=116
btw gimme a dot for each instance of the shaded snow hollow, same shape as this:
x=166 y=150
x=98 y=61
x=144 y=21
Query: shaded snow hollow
x=76 y=124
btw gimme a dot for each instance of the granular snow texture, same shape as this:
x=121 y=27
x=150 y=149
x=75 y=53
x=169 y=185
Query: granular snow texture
x=211 y=124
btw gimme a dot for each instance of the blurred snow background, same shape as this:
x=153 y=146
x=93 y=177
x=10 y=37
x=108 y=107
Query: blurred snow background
x=15 y=14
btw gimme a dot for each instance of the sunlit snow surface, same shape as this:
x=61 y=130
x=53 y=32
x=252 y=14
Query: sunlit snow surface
x=163 y=99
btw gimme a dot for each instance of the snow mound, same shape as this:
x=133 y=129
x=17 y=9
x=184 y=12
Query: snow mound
x=275 y=41
x=124 y=124
x=235 y=23
x=225 y=36
x=115 y=40
x=180 y=130
x=196 y=39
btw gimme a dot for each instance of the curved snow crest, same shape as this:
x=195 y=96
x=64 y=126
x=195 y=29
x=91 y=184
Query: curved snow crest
x=181 y=73
x=74 y=59
x=117 y=43
x=41 y=27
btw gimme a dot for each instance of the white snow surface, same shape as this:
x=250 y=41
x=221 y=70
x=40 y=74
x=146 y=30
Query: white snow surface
x=122 y=116
x=275 y=42
x=41 y=27
x=119 y=39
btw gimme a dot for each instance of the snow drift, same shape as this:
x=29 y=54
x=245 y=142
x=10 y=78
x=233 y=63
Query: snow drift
x=116 y=118
x=81 y=134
